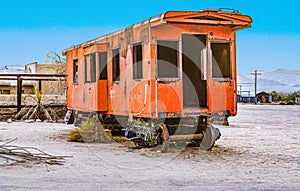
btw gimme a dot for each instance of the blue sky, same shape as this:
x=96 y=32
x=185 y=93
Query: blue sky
x=30 y=29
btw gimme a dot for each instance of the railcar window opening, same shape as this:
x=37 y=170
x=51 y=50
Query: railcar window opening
x=75 y=71
x=116 y=65
x=221 y=60
x=102 y=58
x=90 y=67
x=93 y=67
x=167 y=59
x=86 y=68
x=137 y=61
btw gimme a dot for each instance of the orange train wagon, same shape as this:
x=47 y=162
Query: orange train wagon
x=170 y=73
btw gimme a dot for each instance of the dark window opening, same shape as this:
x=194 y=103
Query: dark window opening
x=90 y=67
x=221 y=60
x=93 y=67
x=167 y=59
x=6 y=92
x=116 y=65
x=102 y=58
x=86 y=67
x=137 y=61
x=75 y=71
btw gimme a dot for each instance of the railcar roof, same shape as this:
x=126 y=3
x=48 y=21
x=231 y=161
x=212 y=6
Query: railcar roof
x=233 y=19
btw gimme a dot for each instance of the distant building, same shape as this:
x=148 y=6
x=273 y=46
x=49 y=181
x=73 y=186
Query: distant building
x=35 y=68
x=246 y=99
x=13 y=69
x=5 y=88
x=51 y=87
x=263 y=97
x=8 y=87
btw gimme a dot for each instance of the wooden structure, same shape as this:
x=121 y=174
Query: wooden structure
x=28 y=77
x=263 y=97
x=179 y=65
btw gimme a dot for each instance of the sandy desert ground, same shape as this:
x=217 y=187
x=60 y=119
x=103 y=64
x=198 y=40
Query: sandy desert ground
x=260 y=150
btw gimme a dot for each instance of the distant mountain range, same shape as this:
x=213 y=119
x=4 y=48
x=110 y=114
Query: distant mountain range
x=281 y=80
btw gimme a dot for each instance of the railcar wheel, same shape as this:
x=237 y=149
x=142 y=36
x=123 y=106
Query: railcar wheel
x=210 y=136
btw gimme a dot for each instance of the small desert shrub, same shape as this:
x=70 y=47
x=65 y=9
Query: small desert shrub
x=90 y=131
x=75 y=136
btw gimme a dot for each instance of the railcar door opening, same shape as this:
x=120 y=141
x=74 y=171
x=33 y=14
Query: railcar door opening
x=102 y=82
x=194 y=72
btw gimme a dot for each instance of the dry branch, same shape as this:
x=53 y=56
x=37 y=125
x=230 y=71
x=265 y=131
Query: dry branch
x=28 y=154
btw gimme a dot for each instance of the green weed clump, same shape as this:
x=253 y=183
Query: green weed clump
x=90 y=131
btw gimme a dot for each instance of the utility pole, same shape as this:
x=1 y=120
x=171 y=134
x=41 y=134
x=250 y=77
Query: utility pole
x=255 y=83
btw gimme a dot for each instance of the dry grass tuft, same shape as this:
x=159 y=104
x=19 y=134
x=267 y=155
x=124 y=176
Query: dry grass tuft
x=74 y=136
x=90 y=131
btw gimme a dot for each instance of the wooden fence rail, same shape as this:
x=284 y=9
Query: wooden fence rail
x=32 y=77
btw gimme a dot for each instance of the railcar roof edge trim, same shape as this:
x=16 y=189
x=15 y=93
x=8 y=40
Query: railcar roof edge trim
x=168 y=16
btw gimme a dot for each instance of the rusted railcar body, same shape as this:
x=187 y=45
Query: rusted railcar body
x=180 y=65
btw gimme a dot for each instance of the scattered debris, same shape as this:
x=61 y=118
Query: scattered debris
x=18 y=154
